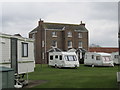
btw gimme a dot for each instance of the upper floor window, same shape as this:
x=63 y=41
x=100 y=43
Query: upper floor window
x=54 y=43
x=24 y=49
x=69 y=44
x=54 y=34
x=80 y=44
x=79 y=35
x=69 y=34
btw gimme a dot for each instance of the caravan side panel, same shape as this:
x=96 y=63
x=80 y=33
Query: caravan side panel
x=5 y=51
x=26 y=64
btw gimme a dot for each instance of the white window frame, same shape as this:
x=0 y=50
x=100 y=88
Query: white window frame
x=54 y=34
x=24 y=49
x=79 y=35
x=69 y=34
x=70 y=42
x=43 y=43
x=80 y=44
x=43 y=55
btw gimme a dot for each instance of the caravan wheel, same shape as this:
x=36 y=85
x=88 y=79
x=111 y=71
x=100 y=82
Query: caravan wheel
x=92 y=65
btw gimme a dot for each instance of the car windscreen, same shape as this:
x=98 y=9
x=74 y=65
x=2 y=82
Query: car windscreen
x=70 y=58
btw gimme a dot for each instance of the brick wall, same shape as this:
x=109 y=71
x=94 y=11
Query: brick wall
x=62 y=41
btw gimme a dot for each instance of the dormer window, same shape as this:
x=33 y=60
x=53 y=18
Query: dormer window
x=69 y=34
x=54 y=34
x=79 y=35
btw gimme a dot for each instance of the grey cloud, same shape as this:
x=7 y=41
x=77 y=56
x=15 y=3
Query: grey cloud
x=102 y=17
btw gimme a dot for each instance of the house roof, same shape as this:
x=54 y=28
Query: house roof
x=103 y=49
x=35 y=29
x=61 y=26
x=54 y=50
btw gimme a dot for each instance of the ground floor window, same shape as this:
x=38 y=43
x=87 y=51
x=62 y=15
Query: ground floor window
x=69 y=44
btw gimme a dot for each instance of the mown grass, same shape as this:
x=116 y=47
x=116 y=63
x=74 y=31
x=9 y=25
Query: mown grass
x=82 y=77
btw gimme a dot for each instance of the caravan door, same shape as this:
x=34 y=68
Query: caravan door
x=14 y=63
x=56 y=60
x=98 y=60
x=51 y=60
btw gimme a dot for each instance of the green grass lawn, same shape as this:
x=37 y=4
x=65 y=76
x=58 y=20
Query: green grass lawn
x=82 y=77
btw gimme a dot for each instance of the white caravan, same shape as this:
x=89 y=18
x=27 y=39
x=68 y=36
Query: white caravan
x=17 y=53
x=98 y=59
x=63 y=59
x=115 y=57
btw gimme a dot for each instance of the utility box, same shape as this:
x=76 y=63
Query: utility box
x=7 y=77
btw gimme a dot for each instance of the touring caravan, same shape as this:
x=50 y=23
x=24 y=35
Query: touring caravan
x=17 y=53
x=63 y=59
x=98 y=59
x=115 y=58
x=80 y=54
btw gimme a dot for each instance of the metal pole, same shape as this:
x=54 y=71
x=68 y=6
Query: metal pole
x=119 y=34
x=119 y=41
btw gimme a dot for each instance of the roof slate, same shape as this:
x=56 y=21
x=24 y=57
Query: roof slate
x=56 y=26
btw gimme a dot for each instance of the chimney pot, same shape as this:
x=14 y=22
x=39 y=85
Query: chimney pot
x=82 y=23
x=40 y=22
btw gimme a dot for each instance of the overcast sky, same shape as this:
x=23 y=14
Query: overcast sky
x=101 y=18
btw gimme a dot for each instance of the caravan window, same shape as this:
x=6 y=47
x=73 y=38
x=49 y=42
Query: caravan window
x=70 y=58
x=92 y=56
x=106 y=58
x=60 y=57
x=75 y=59
x=97 y=57
x=51 y=57
x=24 y=49
x=56 y=56
x=116 y=56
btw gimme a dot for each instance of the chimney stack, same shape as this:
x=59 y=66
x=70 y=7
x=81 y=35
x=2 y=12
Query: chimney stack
x=40 y=22
x=82 y=23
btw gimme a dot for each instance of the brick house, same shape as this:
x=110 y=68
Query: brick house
x=103 y=49
x=62 y=36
